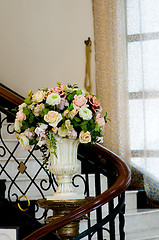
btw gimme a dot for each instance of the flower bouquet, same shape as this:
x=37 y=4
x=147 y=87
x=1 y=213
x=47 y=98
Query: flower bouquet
x=65 y=111
x=58 y=119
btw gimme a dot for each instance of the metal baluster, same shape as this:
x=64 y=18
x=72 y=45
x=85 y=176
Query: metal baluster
x=121 y=217
x=98 y=211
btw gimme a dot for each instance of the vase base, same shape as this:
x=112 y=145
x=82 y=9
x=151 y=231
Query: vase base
x=65 y=196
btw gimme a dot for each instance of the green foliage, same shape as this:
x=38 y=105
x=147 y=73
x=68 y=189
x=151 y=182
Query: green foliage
x=26 y=111
x=27 y=101
x=32 y=141
x=77 y=119
x=32 y=129
x=78 y=92
x=31 y=118
x=70 y=108
x=70 y=96
x=52 y=143
x=105 y=118
x=44 y=111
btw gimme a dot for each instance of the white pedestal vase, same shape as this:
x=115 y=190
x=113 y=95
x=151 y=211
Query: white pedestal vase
x=64 y=167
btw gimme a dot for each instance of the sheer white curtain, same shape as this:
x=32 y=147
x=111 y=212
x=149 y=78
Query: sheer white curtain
x=111 y=72
x=143 y=75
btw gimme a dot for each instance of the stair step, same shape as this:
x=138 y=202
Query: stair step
x=8 y=233
x=152 y=234
x=146 y=219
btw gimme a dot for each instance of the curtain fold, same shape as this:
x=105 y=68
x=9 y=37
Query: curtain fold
x=111 y=72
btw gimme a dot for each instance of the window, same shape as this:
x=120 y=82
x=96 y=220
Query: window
x=143 y=76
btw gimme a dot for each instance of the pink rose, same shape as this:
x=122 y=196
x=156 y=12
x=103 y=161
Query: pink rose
x=20 y=115
x=94 y=103
x=79 y=101
x=58 y=90
x=100 y=121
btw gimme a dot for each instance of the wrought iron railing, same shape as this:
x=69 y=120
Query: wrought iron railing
x=94 y=160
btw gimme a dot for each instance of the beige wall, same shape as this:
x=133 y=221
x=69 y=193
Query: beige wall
x=42 y=42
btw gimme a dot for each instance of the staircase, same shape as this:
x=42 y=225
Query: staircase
x=140 y=224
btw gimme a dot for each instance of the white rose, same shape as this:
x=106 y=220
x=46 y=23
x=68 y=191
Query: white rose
x=85 y=113
x=53 y=99
x=85 y=137
x=38 y=96
x=24 y=141
x=17 y=125
x=21 y=106
x=53 y=118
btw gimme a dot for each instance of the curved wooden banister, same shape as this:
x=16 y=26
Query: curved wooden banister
x=120 y=185
x=10 y=95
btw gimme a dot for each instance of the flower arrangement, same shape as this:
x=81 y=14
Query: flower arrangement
x=65 y=111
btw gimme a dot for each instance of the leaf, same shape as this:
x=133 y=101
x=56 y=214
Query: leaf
x=25 y=125
x=75 y=124
x=32 y=141
x=85 y=122
x=31 y=118
x=97 y=128
x=84 y=127
x=78 y=92
x=32 y=129
x=26 y=111
x=105 y=118
x=70 y=96
x=77 y=119
x=45 y=111
x=27 y=101
x=70 y=107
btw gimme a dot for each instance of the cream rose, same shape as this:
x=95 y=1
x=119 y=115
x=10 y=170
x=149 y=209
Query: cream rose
x=38 y=96
x=85 y=113
x=85 y=137
x=53 y=99
x=53 y=118
x=24 y=142
x=79 y=101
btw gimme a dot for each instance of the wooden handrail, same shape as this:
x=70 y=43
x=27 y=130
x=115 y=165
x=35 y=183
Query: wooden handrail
x=120 y=185
x=10 y=95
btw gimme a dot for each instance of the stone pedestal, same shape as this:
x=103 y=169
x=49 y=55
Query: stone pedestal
x=61 y=208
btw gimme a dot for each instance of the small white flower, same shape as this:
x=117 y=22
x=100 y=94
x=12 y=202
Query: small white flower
x=85 y=113
x=53 y=99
